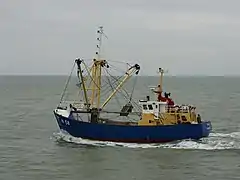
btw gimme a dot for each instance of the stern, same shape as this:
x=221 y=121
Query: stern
x=206 y=128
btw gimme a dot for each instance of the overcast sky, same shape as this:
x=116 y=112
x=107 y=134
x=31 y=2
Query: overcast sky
x=185 y=36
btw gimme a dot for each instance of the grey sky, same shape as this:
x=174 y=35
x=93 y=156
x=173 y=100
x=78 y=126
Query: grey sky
x=184 y=36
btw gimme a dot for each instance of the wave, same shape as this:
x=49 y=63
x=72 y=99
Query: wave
x=215 y=141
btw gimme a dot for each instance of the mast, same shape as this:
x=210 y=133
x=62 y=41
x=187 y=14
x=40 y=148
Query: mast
x=96 y=75
x=161 y=72
x=100 y=32
x=98 y=63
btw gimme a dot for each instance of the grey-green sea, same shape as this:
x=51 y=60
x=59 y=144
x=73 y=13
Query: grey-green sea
x=32 y=147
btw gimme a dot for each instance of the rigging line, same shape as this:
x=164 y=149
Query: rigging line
x=106 y=89
x=88 y=73
x=136 y=106
x=80 y=84
x=115 y=78
x=121 y=62
x=66 y=85
x=135 y=81
x=115 y=96
x=126 y=97
x=79 y=80
x=91 y=79
x=117 y=69
x=119 y=91
x=122 y=70
x=113 y=90
x=109 y=88
x=113 y=83
x=78 y=95
x=91 y=76
x=87 y=68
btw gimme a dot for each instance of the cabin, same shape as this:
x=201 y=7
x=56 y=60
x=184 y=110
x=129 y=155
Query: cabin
x=182 y=113
x=152 y=112
x=159 y=113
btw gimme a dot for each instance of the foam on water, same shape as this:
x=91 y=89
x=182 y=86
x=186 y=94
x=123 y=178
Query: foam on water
x=216 y=141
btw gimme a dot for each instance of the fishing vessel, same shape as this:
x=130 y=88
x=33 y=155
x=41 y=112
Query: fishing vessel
x=94 y=115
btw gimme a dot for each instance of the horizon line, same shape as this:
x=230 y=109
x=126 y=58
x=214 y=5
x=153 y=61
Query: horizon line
x=179 y=75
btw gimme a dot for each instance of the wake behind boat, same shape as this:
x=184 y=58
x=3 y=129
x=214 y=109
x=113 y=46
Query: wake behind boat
x=91 y=115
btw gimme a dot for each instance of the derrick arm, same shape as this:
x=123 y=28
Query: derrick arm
x=129 y=73
x=78 y=62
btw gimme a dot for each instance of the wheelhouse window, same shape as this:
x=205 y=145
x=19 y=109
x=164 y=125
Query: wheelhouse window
x=150 y=107
x=145 y=107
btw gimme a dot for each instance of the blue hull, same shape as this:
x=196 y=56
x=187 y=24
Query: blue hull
x=133 y=134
